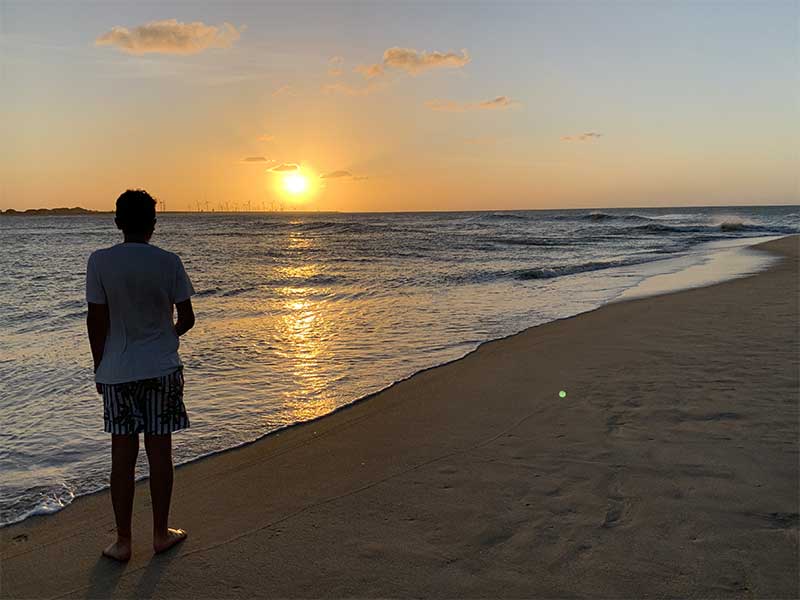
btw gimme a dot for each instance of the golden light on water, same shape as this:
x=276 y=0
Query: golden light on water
x=305 y=334
x=305 y=328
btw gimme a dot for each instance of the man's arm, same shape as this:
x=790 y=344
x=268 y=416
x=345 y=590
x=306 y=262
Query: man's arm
x=185 y=317
x=97 y=327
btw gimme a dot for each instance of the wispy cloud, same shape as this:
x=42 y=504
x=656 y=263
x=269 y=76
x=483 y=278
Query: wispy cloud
x=284 y=90
x=283 y=167
x=349 y=90
x=169 y=36
x=413 y=62
x=583 y=137
x=336 y=175
x=256 y=159
x=445 y=105
x=335 y=66
x=266 y=138
x=348 y=175
x=370 y=71
x=499 y=103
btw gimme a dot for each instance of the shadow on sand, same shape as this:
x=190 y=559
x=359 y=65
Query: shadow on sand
x=104 y=577
x=149 y=578
x=106 y=574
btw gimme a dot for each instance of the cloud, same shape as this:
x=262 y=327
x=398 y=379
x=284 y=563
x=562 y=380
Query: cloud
x=336 y=175
x=349 y=90
x=335 y=66
x=348 y=175
x=499 y=103
x=445 y=105
x=256 y=159
x=170 y=36
x=370 y=71
x=283 y=167
x=284 y=90
x=583 y=137
x=414 y=62
x=266 y=138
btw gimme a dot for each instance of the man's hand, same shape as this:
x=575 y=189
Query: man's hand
x=185 y=317
x=99 y=387
x=97 y=326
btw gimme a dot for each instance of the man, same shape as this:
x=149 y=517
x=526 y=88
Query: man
x=131 y=289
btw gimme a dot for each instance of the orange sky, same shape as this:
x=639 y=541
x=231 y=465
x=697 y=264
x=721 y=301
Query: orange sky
x=486 y=107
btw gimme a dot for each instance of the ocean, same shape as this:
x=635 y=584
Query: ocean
x=301 y=313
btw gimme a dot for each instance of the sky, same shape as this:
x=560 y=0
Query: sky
x=379 y=106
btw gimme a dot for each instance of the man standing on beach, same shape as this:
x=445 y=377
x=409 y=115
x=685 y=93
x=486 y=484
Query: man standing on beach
x=131 y=289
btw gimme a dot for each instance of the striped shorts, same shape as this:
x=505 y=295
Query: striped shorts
x=153 y=406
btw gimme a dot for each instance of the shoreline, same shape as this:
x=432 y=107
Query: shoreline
x=401 y=399
x=735 y=259
x=735 y=244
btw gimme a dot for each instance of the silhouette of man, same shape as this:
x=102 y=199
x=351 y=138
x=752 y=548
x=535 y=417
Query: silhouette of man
x=131 y=289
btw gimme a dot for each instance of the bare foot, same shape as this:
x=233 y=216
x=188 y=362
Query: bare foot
x=162 y=543
x=119 y=550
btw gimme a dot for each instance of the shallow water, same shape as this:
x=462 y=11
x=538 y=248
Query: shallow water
x=299 y=314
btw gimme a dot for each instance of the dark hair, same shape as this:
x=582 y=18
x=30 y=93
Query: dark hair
x=136 y=211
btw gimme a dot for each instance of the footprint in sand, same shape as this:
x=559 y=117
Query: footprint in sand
x=777 y=520
x=613 y=424
x=618 y=512
x=613 y=514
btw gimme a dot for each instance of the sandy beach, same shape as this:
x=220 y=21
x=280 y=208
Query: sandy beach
x=669 y=469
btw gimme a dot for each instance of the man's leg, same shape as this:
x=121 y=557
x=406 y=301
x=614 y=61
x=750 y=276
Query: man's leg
x=124 y=450
x=159 y=455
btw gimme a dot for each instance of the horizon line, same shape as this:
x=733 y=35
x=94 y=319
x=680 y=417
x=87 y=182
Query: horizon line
x=5 y=212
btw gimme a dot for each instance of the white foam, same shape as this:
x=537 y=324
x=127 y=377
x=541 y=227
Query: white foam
x=47 y=506
x=707 y=264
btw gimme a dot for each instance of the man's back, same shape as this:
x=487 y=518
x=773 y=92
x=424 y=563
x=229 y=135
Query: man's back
x=140 y=283
x=131 y=289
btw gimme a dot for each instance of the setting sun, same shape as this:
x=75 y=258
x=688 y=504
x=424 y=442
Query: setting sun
x=295 y=184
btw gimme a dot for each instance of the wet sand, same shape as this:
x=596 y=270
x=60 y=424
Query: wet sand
x=670 y=469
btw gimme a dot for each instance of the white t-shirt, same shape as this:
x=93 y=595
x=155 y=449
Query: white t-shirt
x=140 y=283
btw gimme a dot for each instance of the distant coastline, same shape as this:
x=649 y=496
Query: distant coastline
x=77 y=210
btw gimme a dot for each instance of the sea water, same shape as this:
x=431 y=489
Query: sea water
x=301 y=313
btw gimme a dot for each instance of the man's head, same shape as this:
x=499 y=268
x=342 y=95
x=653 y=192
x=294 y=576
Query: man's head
x=136 y=213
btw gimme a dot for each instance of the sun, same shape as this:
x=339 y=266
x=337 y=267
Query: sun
x=295 y=184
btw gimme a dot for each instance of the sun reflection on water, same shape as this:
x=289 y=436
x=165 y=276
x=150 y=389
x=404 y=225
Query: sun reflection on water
x=299 y=241
x=304 y=330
